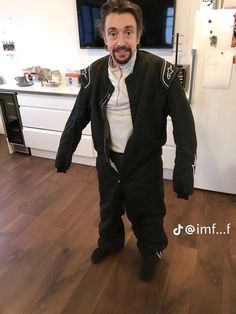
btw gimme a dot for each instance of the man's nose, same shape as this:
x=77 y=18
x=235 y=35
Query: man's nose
x=120 y=39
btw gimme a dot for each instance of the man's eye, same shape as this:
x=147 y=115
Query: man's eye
x=112 y=34
x=129 y=33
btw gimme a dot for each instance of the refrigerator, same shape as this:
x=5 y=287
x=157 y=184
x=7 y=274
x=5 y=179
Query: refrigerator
x=214 y=99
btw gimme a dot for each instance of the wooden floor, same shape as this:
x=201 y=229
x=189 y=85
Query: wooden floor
x=48 y=229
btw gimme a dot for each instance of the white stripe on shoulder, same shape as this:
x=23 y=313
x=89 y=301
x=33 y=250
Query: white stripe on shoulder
x=163 y=73
x=86 y=76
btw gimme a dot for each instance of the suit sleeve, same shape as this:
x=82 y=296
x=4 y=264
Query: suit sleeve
x=184 y=137
x=77 y=121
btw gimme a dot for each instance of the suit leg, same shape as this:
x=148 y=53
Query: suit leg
x=111 y=226
x=147 y=224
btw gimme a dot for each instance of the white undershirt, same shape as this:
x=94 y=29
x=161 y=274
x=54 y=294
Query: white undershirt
x=118 y=107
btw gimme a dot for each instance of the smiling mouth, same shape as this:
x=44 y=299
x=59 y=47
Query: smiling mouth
x=122 y=49
x=122 y=53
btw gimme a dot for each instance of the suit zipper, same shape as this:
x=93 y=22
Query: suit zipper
x=118 y=87
x=106 y=124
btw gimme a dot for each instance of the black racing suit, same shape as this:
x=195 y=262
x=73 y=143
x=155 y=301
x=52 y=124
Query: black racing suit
x=154 y=92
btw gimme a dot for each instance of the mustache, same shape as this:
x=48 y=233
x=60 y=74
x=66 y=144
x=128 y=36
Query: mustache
x=121 y=48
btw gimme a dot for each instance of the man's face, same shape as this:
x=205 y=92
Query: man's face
x=121 y=37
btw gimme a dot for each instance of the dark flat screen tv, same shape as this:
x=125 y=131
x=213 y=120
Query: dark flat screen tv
x=158 y=17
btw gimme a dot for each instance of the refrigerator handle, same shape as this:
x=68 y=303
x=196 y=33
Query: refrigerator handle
x=194 y=54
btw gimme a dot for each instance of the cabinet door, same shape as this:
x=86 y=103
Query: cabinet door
x=49 y=141
x=170 y=138
x=168 y=157
x=1 y=123
x=46 y=101
x=49 y=119
x=168 y=151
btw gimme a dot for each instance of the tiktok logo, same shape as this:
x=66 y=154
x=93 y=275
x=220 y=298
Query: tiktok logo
x=177 y=231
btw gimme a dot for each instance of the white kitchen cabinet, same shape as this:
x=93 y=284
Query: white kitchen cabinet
x=44 y=113
x=1 y=123
x=44 y=118
x=168 y=152
x=49 y=119
x=51 y=101
x=49 y=141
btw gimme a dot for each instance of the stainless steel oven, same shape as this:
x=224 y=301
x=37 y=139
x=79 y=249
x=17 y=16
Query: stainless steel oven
x=12 y=122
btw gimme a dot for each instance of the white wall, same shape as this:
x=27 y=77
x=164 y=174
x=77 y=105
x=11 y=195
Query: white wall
x=46 y=34
x=185 y=18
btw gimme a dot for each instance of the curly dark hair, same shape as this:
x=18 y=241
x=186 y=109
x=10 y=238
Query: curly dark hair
x=121 y=6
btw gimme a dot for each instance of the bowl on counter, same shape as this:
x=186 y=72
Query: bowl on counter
x=22 y=81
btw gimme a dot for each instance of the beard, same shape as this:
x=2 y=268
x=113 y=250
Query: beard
x=122 y=54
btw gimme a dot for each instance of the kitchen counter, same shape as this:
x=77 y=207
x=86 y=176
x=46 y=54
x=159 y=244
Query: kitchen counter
x=44 y=112
x=61 y=90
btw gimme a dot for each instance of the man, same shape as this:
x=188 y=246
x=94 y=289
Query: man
x=127 y=96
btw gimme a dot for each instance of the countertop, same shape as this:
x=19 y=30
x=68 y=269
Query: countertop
x=62 y=90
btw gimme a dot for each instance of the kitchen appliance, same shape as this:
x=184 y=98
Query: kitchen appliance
x=214 y=101
x=183 y=74
x=12 y=122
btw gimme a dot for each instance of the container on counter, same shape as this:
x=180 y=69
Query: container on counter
x=56 y=77
x=31 y=76
x=72 y=78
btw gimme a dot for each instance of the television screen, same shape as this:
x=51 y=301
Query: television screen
x=158 y=18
